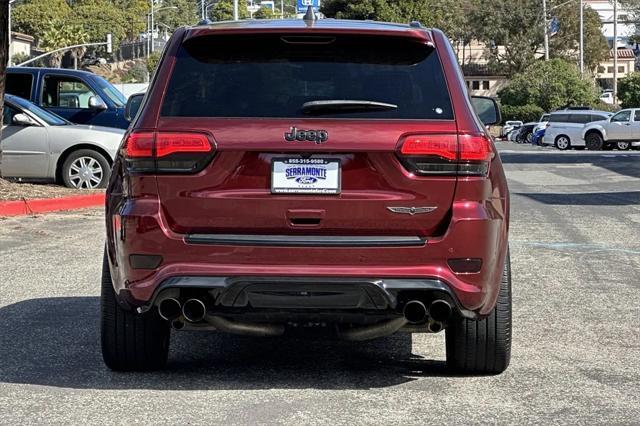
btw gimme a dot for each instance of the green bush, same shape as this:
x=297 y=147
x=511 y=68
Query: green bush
x=136 y=74
x=551 y=85
x=152 y=62
x=524 y=113
x=19 y=58
x=264 y=13
x=629 y=91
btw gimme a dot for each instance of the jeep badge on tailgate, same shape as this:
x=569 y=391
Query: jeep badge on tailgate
x=316 y=136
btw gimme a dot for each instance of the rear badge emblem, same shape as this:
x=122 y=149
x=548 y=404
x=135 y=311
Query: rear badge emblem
x=315 y=136
x=411 y=210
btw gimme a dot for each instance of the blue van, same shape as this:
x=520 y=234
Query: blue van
x=79 y=96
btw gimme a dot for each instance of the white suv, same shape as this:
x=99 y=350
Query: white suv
x=564 y=129
x=622 y=130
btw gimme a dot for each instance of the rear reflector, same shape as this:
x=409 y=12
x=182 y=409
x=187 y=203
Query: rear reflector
x=167 y=152
x=446 y=154
x=465 y=266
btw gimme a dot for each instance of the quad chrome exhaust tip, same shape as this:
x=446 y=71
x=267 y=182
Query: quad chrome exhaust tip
x=169 y=309
x=194 y=310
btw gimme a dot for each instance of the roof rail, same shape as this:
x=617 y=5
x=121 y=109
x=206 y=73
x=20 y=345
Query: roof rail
x=415 y=24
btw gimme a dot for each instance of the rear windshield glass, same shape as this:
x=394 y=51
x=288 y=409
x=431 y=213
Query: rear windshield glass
x=273 y=76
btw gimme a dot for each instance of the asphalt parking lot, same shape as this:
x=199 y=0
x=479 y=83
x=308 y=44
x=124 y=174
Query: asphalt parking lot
x=575 y=249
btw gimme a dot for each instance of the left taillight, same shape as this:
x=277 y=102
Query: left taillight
x=167 y=152
x=446 y=154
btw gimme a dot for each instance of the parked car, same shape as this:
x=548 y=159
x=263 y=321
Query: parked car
x=78 y=96
x=339 y=194
x=37 y=144
x=542 y=123
x=525 y=133
x=607 y=97
x=538 y=137
x=510 y=126
x=564 y=129
x=621 y=130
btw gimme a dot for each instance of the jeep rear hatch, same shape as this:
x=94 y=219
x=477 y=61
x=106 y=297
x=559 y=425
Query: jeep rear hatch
x=238 y=152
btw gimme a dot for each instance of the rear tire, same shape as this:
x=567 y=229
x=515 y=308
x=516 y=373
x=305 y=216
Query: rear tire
x=623 y=145
x=484 y=346
x=594 y=142
x=130 y=341
x=85 y=169
x=563 y=143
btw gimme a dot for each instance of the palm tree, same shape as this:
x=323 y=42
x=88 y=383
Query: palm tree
x=54 y=37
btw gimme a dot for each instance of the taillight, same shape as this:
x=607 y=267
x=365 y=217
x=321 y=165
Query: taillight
x=167 y=152
x=446 y=154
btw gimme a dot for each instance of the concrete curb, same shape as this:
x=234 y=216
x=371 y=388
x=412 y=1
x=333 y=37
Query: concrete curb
x=44 y=205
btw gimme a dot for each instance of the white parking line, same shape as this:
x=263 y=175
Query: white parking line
x=600 y=154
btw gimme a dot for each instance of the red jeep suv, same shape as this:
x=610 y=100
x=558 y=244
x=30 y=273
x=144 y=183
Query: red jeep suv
x=308 y=173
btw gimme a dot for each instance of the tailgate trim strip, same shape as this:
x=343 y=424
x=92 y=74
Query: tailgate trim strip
x=305 y=240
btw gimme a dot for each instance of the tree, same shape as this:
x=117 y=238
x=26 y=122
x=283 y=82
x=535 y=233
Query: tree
x=512 y=32
x=100 y=17
x=629 y=91
x=187 y=13
x=32 y=16
x=264 y=13
x=447 y=15
x=565 y=44
x=550 y=85
x=223 y=10
x=54 y=37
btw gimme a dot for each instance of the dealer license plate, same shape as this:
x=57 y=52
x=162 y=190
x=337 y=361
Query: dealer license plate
x=305 y=176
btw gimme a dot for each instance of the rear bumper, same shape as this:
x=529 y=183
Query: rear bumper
x=311 y=298
x=475 y=230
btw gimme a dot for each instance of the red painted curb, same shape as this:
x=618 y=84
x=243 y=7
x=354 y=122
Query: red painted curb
x=44 y=205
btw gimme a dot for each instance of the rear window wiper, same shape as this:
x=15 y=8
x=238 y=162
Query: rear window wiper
x=344 y=105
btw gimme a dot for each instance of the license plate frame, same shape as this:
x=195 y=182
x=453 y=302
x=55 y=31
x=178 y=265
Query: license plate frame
x=309 y=179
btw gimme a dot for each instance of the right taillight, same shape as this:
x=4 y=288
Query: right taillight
x=446 y=154
x=167 y=152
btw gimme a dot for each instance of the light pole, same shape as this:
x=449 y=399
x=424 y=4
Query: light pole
x=235 y=10
x=546 y=30
x=9 y=29
x=615 y=51
x=151 y=22
x=581 y=38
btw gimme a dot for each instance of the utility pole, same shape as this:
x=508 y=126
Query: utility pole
x=235 y=10
x=615 y=51
x=581 y=38
x=151 y=2
x=281 y=9
x=202 y=4
x=546 y=30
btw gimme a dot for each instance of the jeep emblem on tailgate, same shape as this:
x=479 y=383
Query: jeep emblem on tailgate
x=316 y=136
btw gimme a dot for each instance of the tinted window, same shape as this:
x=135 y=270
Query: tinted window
x=65 y=92
x=273 y=76
x=114 y=94
x=580 y=118
x=621 y=116
x=598 y=117
x=19 y=84
x=7 y=115
x=559 y=118
x=636 y=116
x=46 y=116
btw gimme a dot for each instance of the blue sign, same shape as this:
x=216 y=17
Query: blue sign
x=304 y=4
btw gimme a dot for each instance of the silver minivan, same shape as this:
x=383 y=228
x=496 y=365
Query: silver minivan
x=564 y=129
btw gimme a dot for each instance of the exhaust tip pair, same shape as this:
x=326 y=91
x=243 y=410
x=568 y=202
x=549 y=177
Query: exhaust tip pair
x=439 y=312
x=193 y=310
